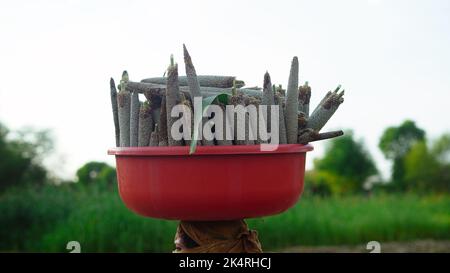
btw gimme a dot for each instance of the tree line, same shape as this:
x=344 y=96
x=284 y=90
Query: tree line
x=418 y=164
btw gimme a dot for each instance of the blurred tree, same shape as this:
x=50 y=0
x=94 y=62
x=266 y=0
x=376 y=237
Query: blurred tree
x=346 y=165
x=323 y=183
x=428 y=169
x=22 y=154
x=420 y=168
x=96 y=172
x=441 y=148
x=395 y=143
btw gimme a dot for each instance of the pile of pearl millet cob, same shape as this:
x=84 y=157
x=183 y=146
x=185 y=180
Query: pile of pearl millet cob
x=149 y=123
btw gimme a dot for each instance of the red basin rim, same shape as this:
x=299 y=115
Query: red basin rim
x=207 y=150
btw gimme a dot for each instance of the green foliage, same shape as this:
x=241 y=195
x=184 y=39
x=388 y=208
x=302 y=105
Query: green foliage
x=428 y=169
x=441 y=149
x=96 y=172
x=345 y=166
x=356 y=220
x=44 y=219
x=22 y=153
x=420 y=167
x=28 y=212
x=104 y=224
x=323 y=183
x=395 y=143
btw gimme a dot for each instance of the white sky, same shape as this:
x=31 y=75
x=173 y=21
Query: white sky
x=56 y=58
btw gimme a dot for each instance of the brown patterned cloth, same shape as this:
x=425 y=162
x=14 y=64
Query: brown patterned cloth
x=216 y=237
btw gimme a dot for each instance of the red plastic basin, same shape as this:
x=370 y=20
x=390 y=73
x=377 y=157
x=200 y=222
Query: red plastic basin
x=215 y=183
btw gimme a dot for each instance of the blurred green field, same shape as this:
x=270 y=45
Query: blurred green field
x=44 y=219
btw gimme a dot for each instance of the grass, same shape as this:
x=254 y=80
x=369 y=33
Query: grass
x=44 y=220
x=356 y=220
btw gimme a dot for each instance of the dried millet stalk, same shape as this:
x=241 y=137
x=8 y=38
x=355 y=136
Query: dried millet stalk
x=134 y=119
x=279 y=100
x=115 y=110
x=279 y=89
x=191 y=75
x=194 y=90
x=224 y=141
x=203 y=80
x=162 y=124
x=304 y=96
x=154 y=137
x=328 y=135
x=325 y=110
x=268 y=99
x=309 y=135
x=145 y=124
x=155 y=104
x=302 y=121
x=172 y=99
x=188 y=103
x=124 y=105
x=254 y=124
x=187 y=111
x=159 y=89
x=292 y=103
x=239 y=99
x=305 y=135
x=254 y=88
x=191 y=107
x=327 y=95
